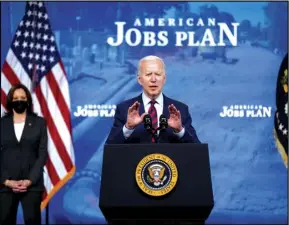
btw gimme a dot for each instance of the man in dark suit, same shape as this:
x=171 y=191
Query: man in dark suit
x=129 y=115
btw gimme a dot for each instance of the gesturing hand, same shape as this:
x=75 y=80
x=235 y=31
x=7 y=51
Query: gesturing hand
x=175 y=120
x=133 y=117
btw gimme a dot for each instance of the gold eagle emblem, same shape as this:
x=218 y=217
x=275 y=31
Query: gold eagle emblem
x=156 y=174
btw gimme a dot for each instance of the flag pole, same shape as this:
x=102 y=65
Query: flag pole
x=47 y=215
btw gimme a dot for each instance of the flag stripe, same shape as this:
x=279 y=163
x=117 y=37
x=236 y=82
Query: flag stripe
x=56 y=112
x=52 y=172
x=47 y=181
x=3 y=110
x=62 y=67
x=3 y=98
x=44 y=195
x=53 y=131
x=10 y=75
x=63 y=83
x=5 y=84
x=36 y=105
x=57 y=162
x=59 y=99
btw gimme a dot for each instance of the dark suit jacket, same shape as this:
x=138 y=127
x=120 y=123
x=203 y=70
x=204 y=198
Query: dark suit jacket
x=141 y=135
x=24 y=159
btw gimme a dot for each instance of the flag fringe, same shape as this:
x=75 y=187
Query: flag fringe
x=281 y=149
x=57 y=187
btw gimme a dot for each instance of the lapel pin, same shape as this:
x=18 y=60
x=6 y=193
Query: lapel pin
x=29 y=124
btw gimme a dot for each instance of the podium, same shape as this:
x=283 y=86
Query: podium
x=164 y=183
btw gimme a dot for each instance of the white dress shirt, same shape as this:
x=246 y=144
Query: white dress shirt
x=18 y=128
x=159 y=105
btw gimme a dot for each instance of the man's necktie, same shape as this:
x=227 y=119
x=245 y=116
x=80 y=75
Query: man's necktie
x=154 y=116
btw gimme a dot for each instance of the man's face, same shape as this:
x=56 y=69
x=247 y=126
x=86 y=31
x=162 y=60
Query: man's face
x=152 y=77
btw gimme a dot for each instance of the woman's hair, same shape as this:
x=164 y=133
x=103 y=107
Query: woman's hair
x=9 y=99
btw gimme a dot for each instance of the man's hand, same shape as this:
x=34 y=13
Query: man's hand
x=175 y=120
x=133 y=117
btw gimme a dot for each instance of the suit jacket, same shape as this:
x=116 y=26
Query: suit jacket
x=26 y=158
x=141 y=135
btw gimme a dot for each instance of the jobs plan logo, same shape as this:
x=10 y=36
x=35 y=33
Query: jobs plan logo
x=252 y=111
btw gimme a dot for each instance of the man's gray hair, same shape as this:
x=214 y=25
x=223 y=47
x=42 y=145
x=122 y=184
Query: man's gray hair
x=148 y=58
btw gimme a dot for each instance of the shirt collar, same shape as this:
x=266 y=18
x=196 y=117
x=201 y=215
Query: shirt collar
x=146 y=100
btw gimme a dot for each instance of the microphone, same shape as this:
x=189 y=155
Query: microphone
x=147 y=122
x=149 y=125
x=163 y=123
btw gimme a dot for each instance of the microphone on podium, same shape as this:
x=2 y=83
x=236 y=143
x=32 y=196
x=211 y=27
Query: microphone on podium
x=147 y=120
x=163 y=123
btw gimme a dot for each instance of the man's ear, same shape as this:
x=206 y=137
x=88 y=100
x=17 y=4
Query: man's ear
x=139 y=80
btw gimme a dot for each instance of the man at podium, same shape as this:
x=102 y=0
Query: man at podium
x=152 y=116
x=169 y=186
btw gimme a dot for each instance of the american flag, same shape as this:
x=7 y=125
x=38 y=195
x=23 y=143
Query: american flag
x=33 y=60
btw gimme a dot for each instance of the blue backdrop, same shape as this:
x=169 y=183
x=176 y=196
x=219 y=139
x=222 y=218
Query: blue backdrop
x=248 y=175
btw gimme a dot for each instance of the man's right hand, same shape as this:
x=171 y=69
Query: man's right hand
x=133 y=117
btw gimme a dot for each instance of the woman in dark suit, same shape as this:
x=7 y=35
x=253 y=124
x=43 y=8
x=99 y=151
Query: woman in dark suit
x=23 y=155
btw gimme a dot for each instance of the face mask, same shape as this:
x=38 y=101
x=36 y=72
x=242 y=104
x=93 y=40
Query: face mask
x=19 y=106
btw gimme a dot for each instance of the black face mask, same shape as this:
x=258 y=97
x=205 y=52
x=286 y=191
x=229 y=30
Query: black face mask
x=19 y=106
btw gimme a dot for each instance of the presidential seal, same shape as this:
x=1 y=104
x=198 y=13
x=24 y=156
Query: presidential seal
x=156 y=175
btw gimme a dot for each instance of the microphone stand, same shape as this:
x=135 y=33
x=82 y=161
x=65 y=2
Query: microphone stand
x=155 y=132
x=155 y=135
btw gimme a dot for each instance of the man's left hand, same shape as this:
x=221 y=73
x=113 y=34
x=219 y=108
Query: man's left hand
x=175 y=120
